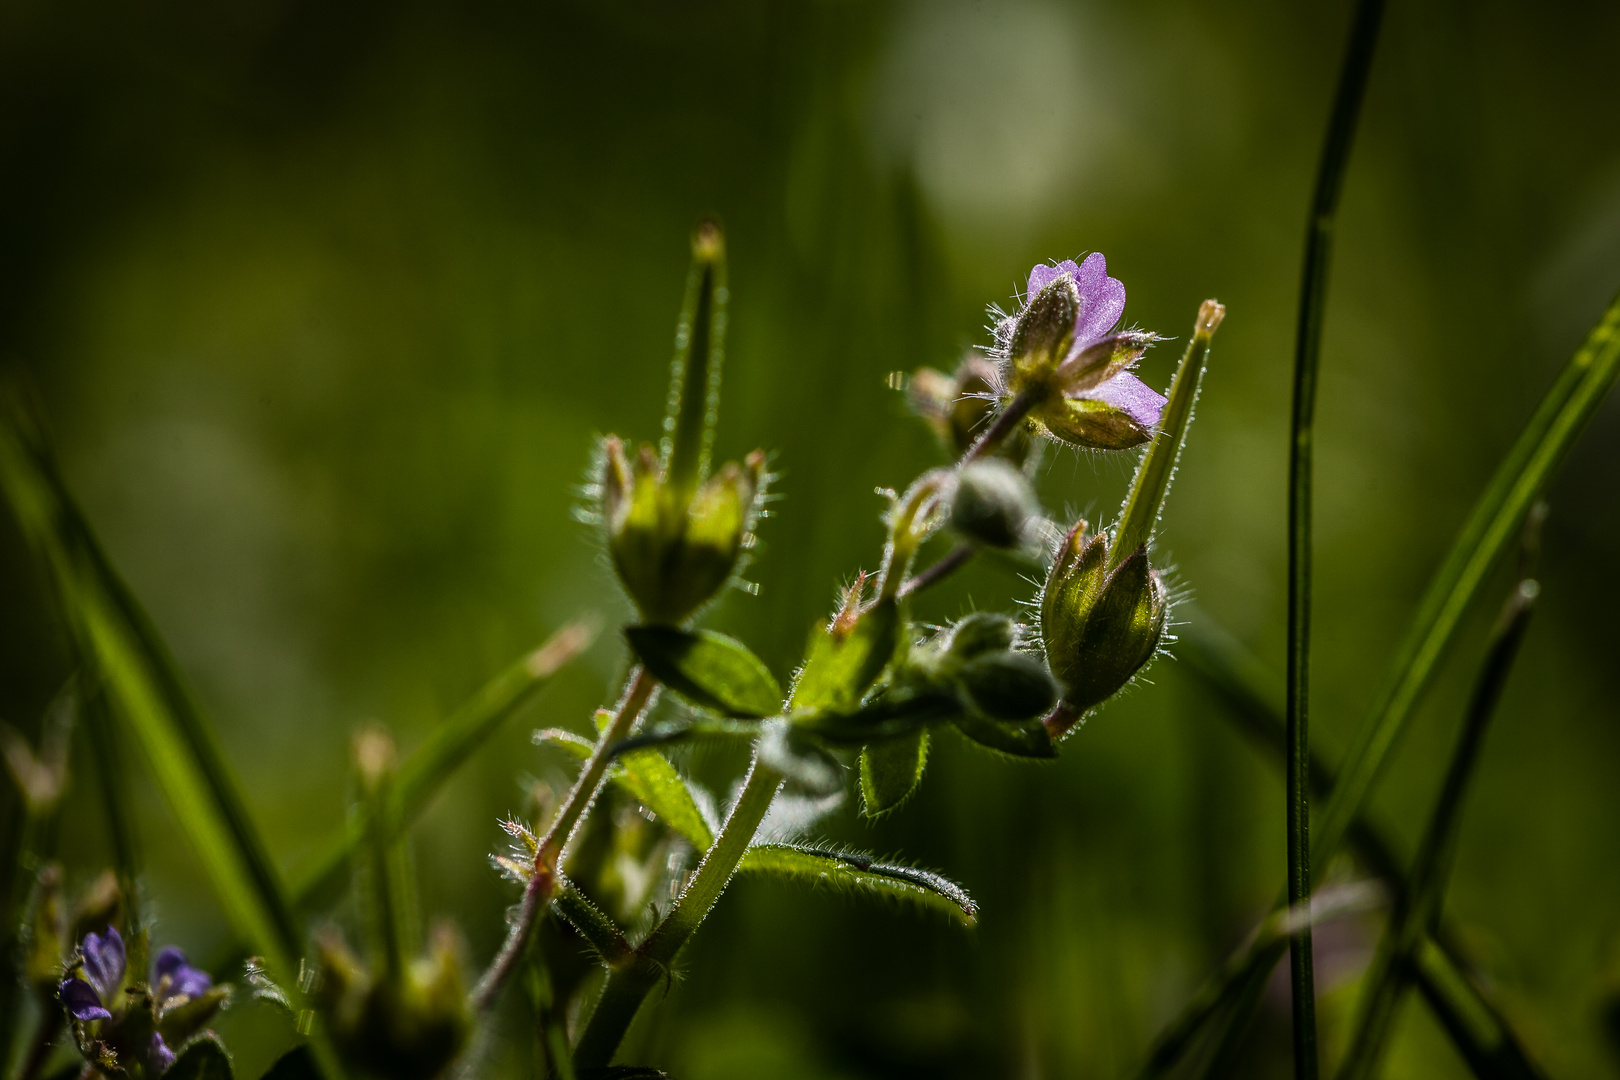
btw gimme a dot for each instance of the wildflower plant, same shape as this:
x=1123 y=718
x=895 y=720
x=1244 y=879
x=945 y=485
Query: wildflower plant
x=616 y=871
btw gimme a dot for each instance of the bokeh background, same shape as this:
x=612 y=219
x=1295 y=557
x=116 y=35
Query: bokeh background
x=326 y=303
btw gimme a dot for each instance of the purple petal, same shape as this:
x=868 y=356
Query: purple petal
x=184 y=979
x=1131 y=396
x=159 y=1054
x=1043 y=275
x=1102 y=300
x=82 y=1001
x=104 y=961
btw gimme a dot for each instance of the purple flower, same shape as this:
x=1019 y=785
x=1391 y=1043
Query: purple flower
x=87 y=998
x=173 y=976
x=1063 y=343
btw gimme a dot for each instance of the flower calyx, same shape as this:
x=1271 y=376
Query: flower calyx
x=1100 y=624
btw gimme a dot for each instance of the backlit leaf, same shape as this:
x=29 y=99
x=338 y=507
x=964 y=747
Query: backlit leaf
x=709 y=669
x=852 y=871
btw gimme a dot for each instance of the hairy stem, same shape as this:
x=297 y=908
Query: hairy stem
x=948 y=564
x=628 y=986
x=544 y=882
x=1005 y=423
x=1313 y=295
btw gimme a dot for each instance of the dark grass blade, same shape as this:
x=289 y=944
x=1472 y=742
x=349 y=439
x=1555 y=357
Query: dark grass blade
x=1319 y=233
x=1386 y=982
x=1480 y=1032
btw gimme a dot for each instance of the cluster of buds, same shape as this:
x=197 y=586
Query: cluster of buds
x=132 y=1028
x=675 y=533
x=959 y=407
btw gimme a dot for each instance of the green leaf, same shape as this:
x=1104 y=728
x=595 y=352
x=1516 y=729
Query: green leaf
x=891 y=771
x=851 y=871
x=648 y=776
x=843 y=662
x=1492 y=527
x=623 y=1072
x=446 y=748
x=1026 y=740
x=709 y=669
x=202 y=1059
x=296 y=1064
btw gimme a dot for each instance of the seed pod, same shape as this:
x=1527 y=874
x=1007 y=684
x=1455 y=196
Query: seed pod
x=673 y=557
x=994 y=504
x=1099 y=627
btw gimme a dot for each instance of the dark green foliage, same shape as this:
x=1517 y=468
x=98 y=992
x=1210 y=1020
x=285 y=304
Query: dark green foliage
x=202 y=1059
x=891 y=769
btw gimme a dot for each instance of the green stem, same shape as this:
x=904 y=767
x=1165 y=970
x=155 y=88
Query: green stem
x=1152 y=482
x=1005 y=423
x=110 y=777
x=1417 y=916
x=544 y=882
x=628 y=986
x=904 y=533
x=1313 y=294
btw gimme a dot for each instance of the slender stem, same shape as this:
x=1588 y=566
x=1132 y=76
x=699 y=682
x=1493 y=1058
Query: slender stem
x=1006 y=422
x=948 y=564
x=904 y=534
x=39 y=1052
x=1313 y=294
x=627 y=987
x=544 y=882
x=1417 y=915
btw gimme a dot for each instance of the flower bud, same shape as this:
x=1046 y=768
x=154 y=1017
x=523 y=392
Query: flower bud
x=993 y=504
x=1099 y=626
x=1044 y=330
x=1008 y=686
x=673 y=557
x=982 y=632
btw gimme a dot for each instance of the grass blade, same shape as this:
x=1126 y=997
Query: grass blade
x=143 y=684
x=1319 y=229
x=447 y=747
x=1491 y=528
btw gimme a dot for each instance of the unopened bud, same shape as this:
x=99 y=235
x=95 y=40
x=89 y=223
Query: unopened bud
x=1044 y=330
x=1099 y=626
x=994 y=504
x=982 y=632
x=1008 y=686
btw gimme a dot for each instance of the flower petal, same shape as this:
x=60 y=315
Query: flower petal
x=183 y=979
x=1043 y=275
x=1131 y=396
x=81 y=1001
x=159 y=1055
x=104 y=961
x=1102 y=299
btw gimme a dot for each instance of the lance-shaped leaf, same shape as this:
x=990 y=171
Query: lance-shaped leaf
x=891 y=771
x=647 y=776
x=593 y=925
x=426 y=770
x=709 y=669
x=852 y=871
x=846 y=658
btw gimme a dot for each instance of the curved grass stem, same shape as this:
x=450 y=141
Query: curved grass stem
x=1313 y=296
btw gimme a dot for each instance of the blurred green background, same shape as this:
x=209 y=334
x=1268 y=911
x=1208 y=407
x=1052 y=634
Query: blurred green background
x=326 y=302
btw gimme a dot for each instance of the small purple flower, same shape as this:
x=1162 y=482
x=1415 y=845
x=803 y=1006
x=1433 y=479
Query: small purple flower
x=1063 y=343
x=173 y=976
x=87 y=998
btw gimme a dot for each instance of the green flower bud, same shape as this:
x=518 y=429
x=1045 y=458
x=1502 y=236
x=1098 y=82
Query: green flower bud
x=982 y=632
x=960 y=407
x=1044 y=331
x=993 y=504
x=673 y=556
x=1008 y=686
x=1099 y=626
